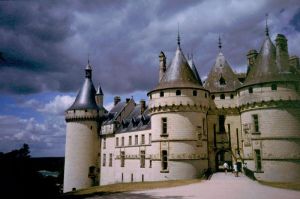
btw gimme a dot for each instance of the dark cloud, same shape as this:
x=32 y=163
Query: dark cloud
x=46 y=45
x=296 y=21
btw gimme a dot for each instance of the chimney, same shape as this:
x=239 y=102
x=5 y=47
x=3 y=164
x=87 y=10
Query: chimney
x=251 y=58
x=143 y=105
x=162 y=65
x=282 y=55
x=117 y=99
x=127 y=100
x=294 y=62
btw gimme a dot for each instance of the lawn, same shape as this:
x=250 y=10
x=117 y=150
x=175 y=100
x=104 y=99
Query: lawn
x=125 y=187
x=283 y=185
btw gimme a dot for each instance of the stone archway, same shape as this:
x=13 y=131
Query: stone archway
x=221 y=157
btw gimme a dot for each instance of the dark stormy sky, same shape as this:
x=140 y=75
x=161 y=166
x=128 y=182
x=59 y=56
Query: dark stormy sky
x=44 y=47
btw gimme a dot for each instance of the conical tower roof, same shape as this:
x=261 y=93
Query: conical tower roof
x=266 y=69
x=194 y=69
x=99 y=90
x=178 y=74
x=221 y=77
x=86 y=97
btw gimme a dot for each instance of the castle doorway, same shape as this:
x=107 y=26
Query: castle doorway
x=221 y=157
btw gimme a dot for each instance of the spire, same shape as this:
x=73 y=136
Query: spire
x=99 y=90
x=88 y=70
x=178 y=37
x=220 y=43
x=267 y=28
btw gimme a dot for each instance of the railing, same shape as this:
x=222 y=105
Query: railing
x=249 y=173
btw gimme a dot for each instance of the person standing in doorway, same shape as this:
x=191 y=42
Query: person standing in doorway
x=225 y=165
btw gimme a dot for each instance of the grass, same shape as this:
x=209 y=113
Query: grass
x=125 y=187
x=283 y=185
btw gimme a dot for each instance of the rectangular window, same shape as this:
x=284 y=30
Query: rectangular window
x=117 y=141
x=257 y=159
x=150 y=138
x=164 y=126
x=143 y=139
x=178 y=92
x=122 y=141
x=136 y=139
x=104 y=160
x=142 y=159
x=110 y=160
x=122 y=156
x=194 y=93
x=104 y=143
x=222 y=124
x=164 y=160
x=161 y=94
x=203 y=127
x=255 y=122
x=130 y=141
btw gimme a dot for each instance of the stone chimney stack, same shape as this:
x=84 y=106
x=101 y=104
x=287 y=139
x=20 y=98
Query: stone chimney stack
x=143 y=105
x=117 y=99
x=162 y=65
x=251 y=58
x=282 y=55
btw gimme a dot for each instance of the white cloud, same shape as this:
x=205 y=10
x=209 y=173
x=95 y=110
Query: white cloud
x=58 y=105
x=44 y=138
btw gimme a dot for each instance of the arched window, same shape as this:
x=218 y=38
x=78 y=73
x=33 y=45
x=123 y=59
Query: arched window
x=178 y=92
x=222 y=96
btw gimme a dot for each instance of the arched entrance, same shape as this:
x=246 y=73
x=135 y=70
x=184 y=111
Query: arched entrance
x=221 y=157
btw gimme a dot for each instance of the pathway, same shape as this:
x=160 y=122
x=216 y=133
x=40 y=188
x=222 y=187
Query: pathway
x=221 y=186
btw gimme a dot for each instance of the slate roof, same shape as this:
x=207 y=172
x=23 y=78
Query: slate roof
x=178 y=74
x=85 y=98
x=194 y=69
x=221 y=77
x=266 y=68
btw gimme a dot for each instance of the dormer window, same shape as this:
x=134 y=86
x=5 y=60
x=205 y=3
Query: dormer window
x=222 y=81
x=178 y=92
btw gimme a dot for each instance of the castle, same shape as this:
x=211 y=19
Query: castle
x=187 y=126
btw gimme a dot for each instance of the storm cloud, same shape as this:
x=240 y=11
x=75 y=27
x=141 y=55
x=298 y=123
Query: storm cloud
x=45 y=46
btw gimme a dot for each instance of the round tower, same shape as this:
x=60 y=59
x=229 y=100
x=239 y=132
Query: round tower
x=178 y=107
x=269 y=102
x=82 y=138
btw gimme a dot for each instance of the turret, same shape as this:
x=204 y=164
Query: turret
x=99 y=96
x=178 y=106
x=162 y=65
x=82 y=138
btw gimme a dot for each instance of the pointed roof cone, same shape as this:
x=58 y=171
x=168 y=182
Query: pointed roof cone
x=85 y=98
x=194 y=69
x=221 y=77
x=99 y=90
x=179 y=74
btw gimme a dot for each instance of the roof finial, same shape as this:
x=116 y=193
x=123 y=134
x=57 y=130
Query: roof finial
x=178 y=36
x=220 y=42
x=267 y=28
x=88 y=58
